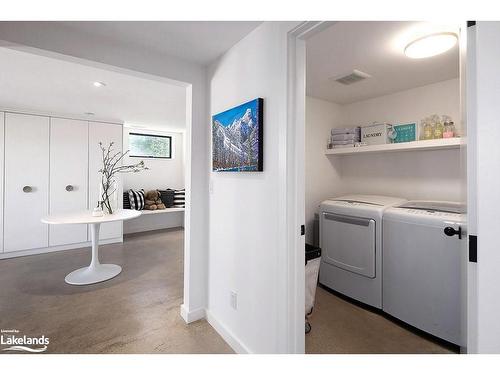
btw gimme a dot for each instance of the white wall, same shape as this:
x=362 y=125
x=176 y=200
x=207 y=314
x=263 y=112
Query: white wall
x=2 y=135
x=95 y=51
x=162 y=173
x=248 y=210
x=412 y=175
x=442 y=98
x=322 y=179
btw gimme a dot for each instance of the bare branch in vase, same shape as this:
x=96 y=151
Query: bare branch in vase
x=110 y=167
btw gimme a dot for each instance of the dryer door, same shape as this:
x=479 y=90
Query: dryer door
x=348 y=242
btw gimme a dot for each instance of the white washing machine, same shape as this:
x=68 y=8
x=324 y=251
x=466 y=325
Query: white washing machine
x=351 y=245
x=422 y=266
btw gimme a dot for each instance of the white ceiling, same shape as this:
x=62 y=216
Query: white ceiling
x=376 y=48
x=196 y=41
x=48 y=85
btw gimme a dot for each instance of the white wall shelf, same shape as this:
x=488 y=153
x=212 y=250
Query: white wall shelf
x=433 y=144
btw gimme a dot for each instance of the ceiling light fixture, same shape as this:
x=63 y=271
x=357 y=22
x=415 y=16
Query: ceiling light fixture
x=89 y=113
x=431 y=45
x=99 y=84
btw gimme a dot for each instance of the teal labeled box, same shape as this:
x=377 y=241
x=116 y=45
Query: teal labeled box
x=405 y=132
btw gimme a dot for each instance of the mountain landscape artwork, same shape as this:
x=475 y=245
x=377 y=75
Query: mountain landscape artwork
x=237 y=142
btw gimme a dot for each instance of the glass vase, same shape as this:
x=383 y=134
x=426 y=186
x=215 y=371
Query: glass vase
x=108 y=195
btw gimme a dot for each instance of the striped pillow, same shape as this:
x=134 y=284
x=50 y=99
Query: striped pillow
x=179 y=198
x=126 y=201
x=136 y=198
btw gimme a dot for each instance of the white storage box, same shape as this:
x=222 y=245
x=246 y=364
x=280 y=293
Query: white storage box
x=377 y=134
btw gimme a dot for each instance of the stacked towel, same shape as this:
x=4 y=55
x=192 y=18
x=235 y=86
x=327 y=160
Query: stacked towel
x=345 y=137
x=351 y=142
x=344 y=146
x=355 y=130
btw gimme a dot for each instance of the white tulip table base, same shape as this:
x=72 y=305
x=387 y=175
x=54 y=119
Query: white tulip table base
x=93 y=274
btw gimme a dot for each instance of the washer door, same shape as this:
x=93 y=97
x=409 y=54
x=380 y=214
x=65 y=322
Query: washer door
x=348 y=242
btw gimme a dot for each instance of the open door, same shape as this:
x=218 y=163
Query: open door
x=483 y=160
x=468 y=155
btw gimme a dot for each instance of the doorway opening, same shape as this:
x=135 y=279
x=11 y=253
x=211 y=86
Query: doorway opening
x=80 y=103
x=384 y=185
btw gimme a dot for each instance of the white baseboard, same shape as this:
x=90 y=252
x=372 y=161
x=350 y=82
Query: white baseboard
x=192 y=316
x=227 y=335
x=43 y=250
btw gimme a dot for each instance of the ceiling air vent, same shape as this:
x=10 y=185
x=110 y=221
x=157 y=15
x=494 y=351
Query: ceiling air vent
x=351 y=77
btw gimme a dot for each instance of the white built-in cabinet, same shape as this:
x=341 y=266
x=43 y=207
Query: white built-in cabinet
x=105 y=133
x=69 y=171
x=50 y=165
x=26 y=196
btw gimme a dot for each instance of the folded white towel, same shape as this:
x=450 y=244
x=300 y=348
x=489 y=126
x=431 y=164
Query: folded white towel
x=354 y=130
x=346 y=137
x=343 y=146
x=351 y=142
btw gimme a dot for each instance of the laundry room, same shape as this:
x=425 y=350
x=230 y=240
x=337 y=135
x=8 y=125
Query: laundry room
x=385 y=188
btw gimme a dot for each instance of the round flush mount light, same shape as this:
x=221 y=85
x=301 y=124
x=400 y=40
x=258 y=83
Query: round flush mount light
x=431 y=45
x=99 y=84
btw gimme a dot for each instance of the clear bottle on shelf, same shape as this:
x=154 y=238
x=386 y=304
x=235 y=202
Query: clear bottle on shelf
x=449 y=128
x=422 y=130
x=438 y=127
x=428 y=131
x=446 y=125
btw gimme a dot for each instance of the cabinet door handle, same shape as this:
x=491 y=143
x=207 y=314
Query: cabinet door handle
x=69 y=188
x=27 y=189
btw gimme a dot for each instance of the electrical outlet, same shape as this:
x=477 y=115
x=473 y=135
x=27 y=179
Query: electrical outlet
x=233 y=300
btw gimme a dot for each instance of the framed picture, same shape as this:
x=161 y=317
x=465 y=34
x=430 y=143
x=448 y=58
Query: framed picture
x=237 y=138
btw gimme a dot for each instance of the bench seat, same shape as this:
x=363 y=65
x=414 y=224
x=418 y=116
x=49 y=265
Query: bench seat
x=165 y=211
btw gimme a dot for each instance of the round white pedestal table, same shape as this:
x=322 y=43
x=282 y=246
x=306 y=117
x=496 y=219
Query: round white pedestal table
x=95 y=272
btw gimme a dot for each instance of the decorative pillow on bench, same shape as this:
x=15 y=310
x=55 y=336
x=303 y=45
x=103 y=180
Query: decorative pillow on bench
x=136 y=198
x=179 y=198
x=126 y=201
x=167 y=197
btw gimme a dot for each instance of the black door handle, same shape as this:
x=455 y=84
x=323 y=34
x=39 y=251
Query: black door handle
x=450 y=231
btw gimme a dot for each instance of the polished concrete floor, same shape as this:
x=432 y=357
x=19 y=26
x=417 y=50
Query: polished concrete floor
x=136 y=312
x=339 y=326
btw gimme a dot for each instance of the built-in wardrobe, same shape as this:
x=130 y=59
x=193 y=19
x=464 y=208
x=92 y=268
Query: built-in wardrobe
x=50 y=165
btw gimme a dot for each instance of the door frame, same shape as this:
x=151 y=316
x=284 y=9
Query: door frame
x=296 y=94
x=295 y=180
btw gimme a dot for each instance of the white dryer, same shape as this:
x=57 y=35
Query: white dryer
x=422 y=266
x=351 y=244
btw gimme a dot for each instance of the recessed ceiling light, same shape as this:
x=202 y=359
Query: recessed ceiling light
x=99 y=84
x=89 y=113
x=431 y=45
